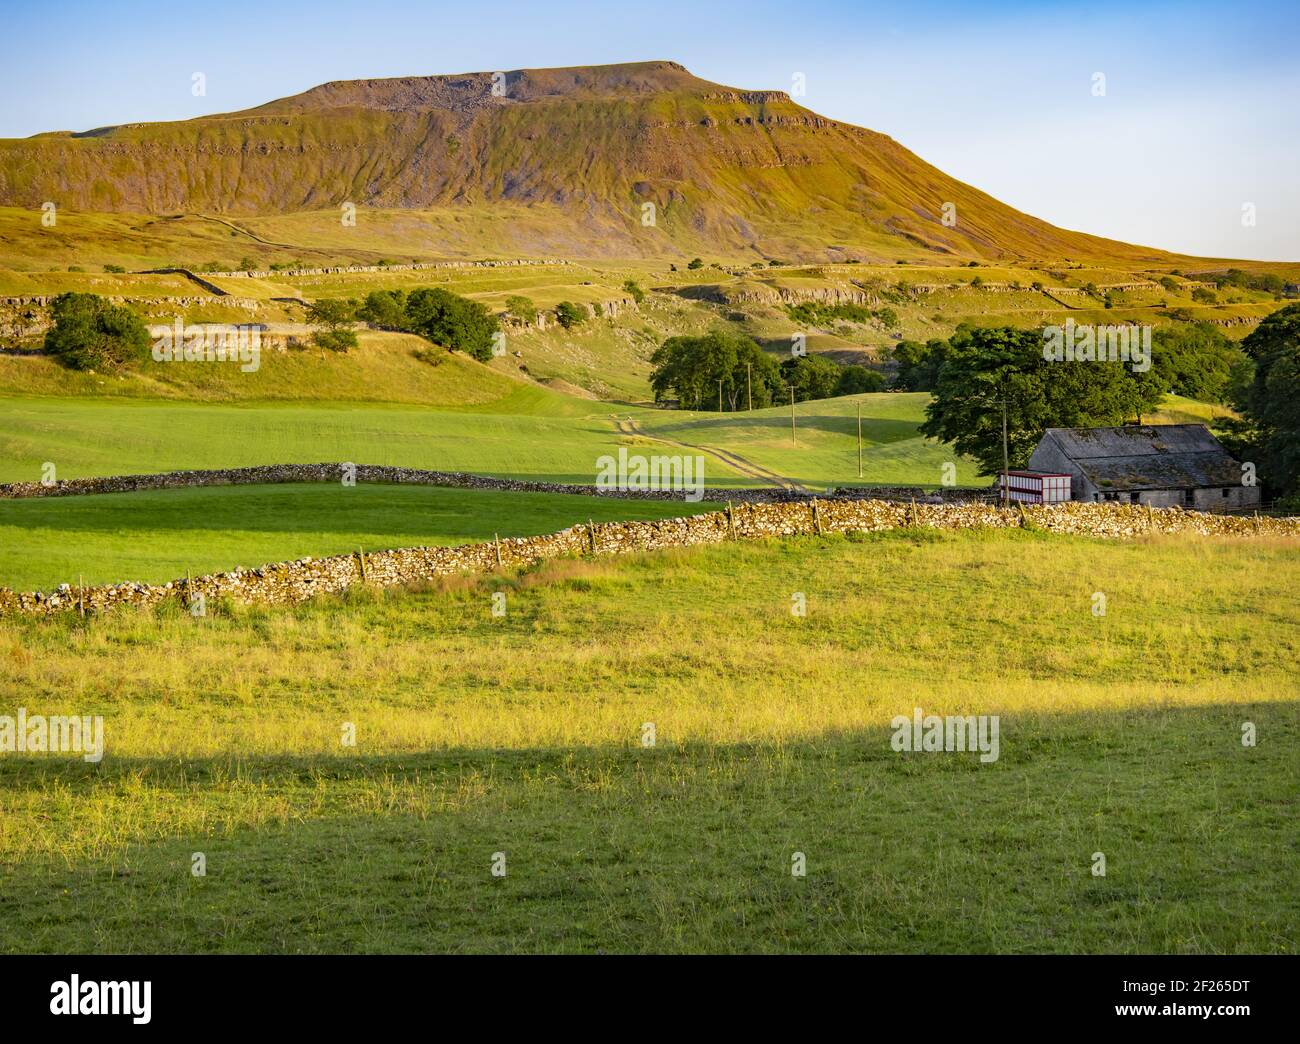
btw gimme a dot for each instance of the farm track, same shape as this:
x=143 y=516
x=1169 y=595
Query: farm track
x=733 y=460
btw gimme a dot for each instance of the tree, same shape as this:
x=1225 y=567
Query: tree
x=89 y=333
x=695 y=263
x=570 y=315
x=522 y=309
x=690 y=368
x=385 y=309
x=1272 y=402
x=333 y=319
x=918 y=364
x=854 y=380
x=1195 y=360
x=988 y=365
x=813 y=377
x=631 y=286
x=452 y=321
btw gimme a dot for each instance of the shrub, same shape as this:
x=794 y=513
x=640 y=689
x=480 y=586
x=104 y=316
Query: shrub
x=570 y=315
x=333 y=319
x=638 y=295
x=89 y=333
x=522 y=308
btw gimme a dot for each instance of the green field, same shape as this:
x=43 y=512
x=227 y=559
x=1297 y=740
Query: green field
x=553 y=438
x=821 y=449
x=160 y=535
x=477 y=735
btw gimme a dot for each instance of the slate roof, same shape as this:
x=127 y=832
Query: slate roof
x=1148 y=456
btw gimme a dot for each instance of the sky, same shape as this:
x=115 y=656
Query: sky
x=1194 y=129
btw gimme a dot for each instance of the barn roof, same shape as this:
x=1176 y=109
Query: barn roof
x=1148 y=456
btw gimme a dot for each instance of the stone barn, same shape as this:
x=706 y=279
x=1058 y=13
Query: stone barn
x=1165 y=465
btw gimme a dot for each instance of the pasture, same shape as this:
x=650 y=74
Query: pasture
x=522 y=735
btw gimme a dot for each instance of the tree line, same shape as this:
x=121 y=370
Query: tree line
x=728 y=372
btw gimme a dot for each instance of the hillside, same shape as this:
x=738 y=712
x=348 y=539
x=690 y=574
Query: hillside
x=562 y=162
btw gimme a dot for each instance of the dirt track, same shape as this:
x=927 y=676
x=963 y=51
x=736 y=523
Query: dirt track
x=748 y=468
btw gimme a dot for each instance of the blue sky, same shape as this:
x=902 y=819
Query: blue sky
x=1201 y=112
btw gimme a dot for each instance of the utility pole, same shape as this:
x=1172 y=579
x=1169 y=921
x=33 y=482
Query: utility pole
x=859 y=440
x=749 y=385
x=794 y=437
x=1006 y=496
x=1005 y=467
x=719 y=394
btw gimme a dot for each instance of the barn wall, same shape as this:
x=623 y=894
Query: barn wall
x=1049 y=457
x=1160 y=497
x=1214 y=500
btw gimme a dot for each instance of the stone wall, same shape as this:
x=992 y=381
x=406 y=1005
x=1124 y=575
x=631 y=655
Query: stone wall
x=271 y=474
x=289 y=583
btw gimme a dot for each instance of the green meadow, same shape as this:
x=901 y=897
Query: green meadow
x=820 y=448
x=160 y=535
x=523 y=735
x=99 y=436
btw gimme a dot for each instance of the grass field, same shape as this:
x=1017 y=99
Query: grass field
x=822 y=449
x=477 y=735
x=93 y=437
x=551 y=438
x=159 y=535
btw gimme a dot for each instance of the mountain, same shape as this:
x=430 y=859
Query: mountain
x=582 y=149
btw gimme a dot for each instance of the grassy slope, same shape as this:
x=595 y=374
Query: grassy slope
x=382 y=369
x=554 y=171
x=157 y=536
x=92 y=437
x=476 y=735
x=823 y=449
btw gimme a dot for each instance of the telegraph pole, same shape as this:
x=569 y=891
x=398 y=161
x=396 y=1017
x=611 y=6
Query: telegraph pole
x=1005 y=467
x=794 y=437
x=749 y=385
x=719 y=394
x=1006 y=494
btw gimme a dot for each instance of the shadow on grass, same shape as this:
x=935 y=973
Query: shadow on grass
x=683 y=848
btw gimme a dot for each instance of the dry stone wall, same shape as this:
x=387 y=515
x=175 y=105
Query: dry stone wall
x=289 y=583
x=271 y=474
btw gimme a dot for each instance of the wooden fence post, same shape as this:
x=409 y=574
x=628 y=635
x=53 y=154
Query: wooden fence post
x=496 y=539
x=361 y=556
x=731 y=521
